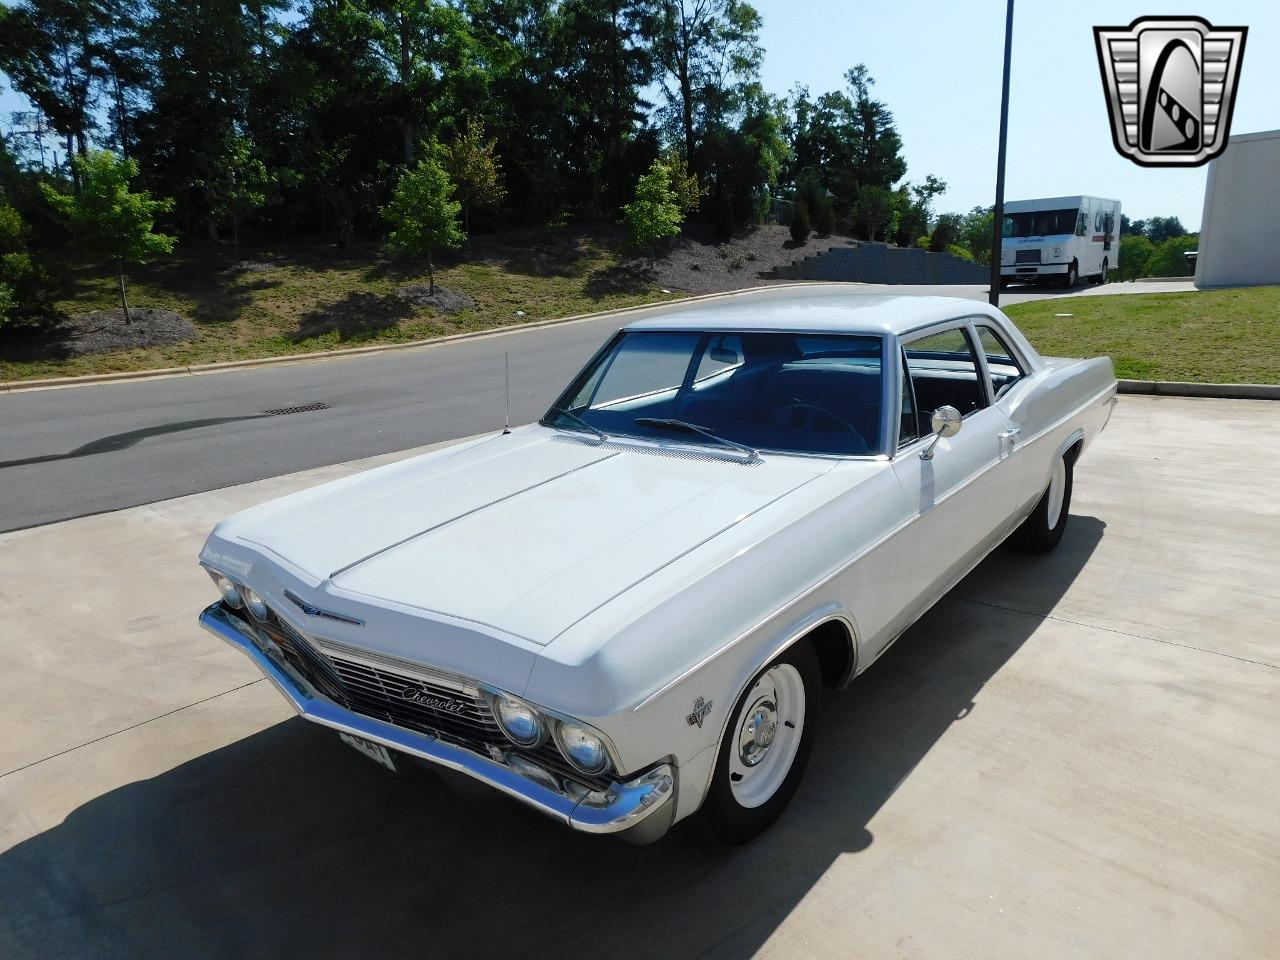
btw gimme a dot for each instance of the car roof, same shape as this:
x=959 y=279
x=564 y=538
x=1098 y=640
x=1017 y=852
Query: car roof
x=816 y=308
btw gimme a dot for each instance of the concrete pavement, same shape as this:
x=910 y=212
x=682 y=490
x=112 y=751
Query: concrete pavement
x=1070 y=756
x=75 y=451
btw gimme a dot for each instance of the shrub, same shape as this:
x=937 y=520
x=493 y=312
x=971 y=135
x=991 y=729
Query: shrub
x=800 y=226
x=825 y=220
x=1168 y=259
x=962 y=252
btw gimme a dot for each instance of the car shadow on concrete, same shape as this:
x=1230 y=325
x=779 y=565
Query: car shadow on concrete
x=288 y=843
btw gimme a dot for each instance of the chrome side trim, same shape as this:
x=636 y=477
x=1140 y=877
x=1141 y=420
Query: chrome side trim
x=628 y=806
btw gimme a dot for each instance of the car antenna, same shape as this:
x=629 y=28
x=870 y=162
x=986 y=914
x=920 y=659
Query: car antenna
x=506 y=364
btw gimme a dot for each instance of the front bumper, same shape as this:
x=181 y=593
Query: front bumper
x=1032 y=270
x=641 y=809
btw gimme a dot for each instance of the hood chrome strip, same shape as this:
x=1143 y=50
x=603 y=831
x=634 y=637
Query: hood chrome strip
x=473 y=510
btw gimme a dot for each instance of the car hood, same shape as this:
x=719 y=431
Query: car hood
x=526 y=533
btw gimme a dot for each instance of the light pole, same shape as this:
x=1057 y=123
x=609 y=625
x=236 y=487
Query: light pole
x=997 y=225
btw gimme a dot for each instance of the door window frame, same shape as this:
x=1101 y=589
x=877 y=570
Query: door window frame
x=966 y=326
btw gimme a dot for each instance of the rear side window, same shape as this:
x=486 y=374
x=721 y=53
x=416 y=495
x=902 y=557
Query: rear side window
x=944 y=372
x=1004 y=366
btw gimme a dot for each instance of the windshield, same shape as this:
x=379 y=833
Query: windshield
x=1040 y=223
x=787 y=392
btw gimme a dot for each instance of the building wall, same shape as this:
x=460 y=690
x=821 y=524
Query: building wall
x=1240 y=228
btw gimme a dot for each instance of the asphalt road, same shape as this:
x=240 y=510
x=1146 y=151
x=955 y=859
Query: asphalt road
x=77 y=451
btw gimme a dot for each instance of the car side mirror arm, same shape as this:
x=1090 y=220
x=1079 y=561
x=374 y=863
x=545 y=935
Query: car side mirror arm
x=946 y=422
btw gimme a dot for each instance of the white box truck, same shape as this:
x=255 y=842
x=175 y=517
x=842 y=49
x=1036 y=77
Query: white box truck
x=1060 y=239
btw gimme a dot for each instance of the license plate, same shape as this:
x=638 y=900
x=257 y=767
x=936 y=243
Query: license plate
x=374 y=751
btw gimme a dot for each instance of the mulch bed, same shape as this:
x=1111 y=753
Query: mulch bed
x=443 y=300
x=699 y=263
x=102 y=331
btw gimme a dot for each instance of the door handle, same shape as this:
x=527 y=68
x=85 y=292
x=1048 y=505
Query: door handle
x=1008 y=440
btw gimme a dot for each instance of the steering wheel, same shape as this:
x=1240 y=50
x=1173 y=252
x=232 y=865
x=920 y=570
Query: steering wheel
x=822 y=412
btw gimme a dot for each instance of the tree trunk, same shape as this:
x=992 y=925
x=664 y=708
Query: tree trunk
x=686 y=91
x=406 y=123
x=124 y=301
x=75 y=174
x=431 y=275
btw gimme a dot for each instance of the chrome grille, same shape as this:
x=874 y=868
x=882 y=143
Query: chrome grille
x=379 y=692
x=1026 y=256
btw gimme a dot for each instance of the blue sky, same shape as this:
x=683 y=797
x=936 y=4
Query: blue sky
x=937 y=66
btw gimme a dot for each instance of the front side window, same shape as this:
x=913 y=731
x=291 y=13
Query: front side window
x=784 y=392
x=1001 y=363
x=944 y=372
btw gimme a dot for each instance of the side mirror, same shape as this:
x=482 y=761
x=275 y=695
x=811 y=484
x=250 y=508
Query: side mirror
x=946 y=422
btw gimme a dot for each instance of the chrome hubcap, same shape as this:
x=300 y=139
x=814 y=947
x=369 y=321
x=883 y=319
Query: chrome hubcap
x=758 y=732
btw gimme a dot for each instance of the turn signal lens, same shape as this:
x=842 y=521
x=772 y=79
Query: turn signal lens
x=582 y=748
x=520 y=722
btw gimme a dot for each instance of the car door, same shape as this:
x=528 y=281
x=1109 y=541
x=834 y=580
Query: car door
x=962 y=495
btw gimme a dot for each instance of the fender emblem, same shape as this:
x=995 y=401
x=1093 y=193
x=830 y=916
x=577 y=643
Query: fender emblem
x=701 y=708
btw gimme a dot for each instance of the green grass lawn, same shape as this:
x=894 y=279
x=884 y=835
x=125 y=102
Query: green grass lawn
x=317 y=298
x=1215 y=336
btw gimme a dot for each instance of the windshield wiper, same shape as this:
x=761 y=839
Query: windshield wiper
x=672 y=423
x=566 y=412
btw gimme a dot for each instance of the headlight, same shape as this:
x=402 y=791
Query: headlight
x=582 y=748
x=255 y=604
x=519 y=721
x=230 y=592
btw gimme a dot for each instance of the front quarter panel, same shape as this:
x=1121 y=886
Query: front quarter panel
x=704 y=626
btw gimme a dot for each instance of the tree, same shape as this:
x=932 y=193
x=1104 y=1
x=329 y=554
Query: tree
x=111 y=220
x=475 y=170
x=22 y=282
x=800 y=226
x=872 y=209
x=915 y=209
x=241 y=187
x=422 y=214
x=704 y=50
x=974 y=233
x=1160 y=229
x=945 y=231
x=849 y=140
x=1135 y=252
x=655 y=213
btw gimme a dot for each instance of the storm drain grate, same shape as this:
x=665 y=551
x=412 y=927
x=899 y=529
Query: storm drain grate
x=302 y=408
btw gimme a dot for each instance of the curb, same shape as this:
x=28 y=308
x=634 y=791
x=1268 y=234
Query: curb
x=16 y=386
x=1219 y=391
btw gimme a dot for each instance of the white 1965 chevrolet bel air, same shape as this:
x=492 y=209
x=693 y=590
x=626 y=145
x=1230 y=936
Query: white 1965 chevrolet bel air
x=628 y=613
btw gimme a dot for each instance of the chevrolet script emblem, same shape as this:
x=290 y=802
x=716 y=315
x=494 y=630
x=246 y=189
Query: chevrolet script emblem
x=701 y=708
x=1170 y=84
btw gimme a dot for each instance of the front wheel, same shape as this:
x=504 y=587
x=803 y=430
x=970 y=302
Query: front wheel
x=1043 y=529
x=1072 y=277
x=1106 y=267
x=765 y=748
